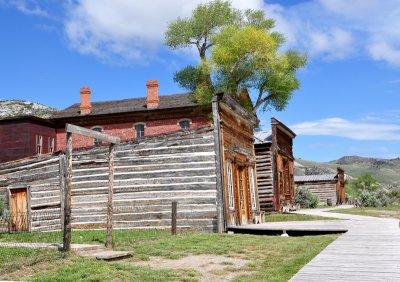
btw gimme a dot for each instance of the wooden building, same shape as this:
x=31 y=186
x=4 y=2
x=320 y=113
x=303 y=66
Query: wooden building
x=275 y=167
x=330 y=188
x=209 y=170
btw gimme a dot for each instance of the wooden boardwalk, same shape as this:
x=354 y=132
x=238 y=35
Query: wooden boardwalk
x=369 y=251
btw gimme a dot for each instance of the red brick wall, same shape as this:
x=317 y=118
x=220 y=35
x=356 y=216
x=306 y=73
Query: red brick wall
x=126 y=131
x=18 y=139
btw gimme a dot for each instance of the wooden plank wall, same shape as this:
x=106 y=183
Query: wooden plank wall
x=264 y=176
x=149 y=175
x=42 y=176
x=324 y=189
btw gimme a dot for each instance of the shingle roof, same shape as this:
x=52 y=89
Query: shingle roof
x=311 y=178
x=262 y=136
x=128 y=105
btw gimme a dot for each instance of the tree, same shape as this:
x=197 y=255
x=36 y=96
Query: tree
x=238 y=51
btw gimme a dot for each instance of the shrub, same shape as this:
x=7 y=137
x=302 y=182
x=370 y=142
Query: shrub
x=368 y=199
x=378 y=198
x=306 y=198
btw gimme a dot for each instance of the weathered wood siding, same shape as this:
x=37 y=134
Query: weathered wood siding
x=324 y=189
x=264 y=176
x=41 y=175
x=149 y=175
x=238 y=150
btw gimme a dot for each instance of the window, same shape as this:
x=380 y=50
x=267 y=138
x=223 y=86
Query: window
x=98 y=129
x=39 y=144
x=252 y=189
x=51 y=144
x=230 y=185
x=185 y=123
x=139 y=128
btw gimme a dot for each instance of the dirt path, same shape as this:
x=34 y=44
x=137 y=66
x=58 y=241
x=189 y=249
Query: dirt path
x=211 y=268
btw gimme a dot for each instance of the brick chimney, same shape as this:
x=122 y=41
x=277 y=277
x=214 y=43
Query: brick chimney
x=152 y=94
x=85 y=106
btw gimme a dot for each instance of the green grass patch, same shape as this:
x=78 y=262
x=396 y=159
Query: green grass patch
x=13 y=259
x=84 y=269
x=278 y=217
x=386 y=212
x=271 y=258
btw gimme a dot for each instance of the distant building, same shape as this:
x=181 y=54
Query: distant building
x=275 y=167
x=330 y=188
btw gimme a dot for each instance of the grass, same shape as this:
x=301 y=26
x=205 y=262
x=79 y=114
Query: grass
x=271 y=258
x=387 y=212
x=277 y=217
x=15 y=258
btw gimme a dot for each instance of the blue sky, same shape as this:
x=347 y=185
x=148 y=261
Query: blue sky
x=349 y=99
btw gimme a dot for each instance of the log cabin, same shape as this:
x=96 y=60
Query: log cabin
x=330 y=188
x=208 y=168
x=275 y=167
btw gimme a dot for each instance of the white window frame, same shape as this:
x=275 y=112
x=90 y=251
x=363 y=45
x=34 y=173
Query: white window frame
x=39 y=144
x=229 y=173
x=97 y=142
x=51 y=144
x=252 y=189
x=182 y=120
x=136 y=132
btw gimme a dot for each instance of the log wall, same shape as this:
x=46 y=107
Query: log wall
x=40 y=175
x=324 y=189
x=264 y=176
x=149 y=175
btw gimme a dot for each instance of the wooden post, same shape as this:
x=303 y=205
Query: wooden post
x=67 y=200
x=110 y=195
x=218 y=163
x=62 y=170
x=173 y=218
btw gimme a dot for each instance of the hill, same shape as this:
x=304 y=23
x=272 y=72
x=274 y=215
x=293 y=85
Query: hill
x=386 y=172
x=17 y=108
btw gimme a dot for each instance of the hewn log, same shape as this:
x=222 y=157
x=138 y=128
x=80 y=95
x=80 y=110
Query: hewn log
x=69 y=128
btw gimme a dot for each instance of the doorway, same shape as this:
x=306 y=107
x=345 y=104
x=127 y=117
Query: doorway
x=19 y=209
x=243 y=196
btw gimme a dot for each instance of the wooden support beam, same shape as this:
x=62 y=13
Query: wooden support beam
x=110 y=196
x=69 y=128
x=173 y=217
x=67 y=204
x=218 y=164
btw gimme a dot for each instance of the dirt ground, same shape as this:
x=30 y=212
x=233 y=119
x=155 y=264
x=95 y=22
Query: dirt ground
x=212 y=268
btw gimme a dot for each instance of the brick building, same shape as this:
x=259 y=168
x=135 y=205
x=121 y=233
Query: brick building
x=129 y=119
x=25 y=130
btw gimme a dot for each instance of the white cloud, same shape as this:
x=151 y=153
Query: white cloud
x=28 y=7
x=336 y=29
x=126 y=30
x=349 y=129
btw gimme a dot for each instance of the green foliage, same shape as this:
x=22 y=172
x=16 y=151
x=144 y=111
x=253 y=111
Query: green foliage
x=378 y=198
x=237 y=50
x=365 y=182
x=306 y=198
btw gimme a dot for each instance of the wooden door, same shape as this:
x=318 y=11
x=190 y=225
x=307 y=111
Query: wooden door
x=19 y=210
x=242 y=195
